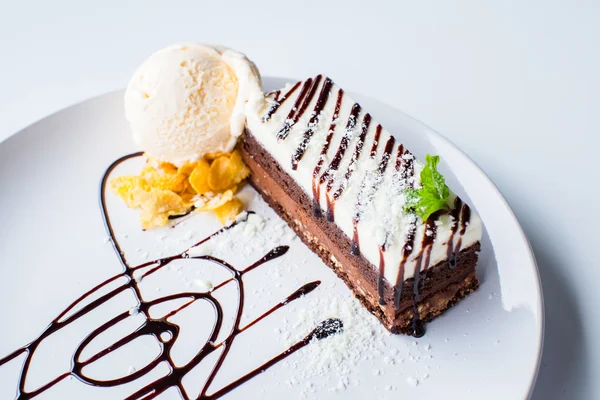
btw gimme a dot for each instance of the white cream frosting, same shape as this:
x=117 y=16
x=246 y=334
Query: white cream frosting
x=383 y=221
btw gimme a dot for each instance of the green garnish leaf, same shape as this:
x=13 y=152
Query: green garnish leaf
x=433 y=194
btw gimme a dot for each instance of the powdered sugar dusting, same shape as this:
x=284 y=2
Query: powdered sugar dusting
x=341 y=359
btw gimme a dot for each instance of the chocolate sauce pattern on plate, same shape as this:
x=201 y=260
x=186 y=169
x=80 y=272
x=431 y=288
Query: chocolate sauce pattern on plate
x=157 y=327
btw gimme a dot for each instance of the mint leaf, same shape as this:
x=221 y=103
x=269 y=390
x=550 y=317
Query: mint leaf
x=432 y=180
x=429 y=203
x=412 y=197
x=433 y=194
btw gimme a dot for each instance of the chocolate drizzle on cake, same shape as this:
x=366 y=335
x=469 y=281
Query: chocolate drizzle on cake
x=314 y=120
x=399 y=154
x=406 y=252
x=355 y=248
x=465 y=218
x=329 y=174
x=461 y=215
x=316 y=186
x=164 y=331
x=278 y=101
x=370 y=192
x=455 y=213
x=375 y=144
x=405 y=169
x=418 y=329
x=306 y=95
x=355 y=156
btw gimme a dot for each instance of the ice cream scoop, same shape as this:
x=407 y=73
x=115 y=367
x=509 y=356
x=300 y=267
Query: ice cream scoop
x=188 y=100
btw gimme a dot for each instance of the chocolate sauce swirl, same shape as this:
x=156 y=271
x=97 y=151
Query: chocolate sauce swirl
x=158 y=327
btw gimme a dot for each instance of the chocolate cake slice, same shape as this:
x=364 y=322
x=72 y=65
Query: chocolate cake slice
x=345 y=185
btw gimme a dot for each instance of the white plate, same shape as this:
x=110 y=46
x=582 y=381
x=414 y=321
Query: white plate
x=53 y=249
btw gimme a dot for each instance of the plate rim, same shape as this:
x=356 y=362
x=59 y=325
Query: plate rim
x=540 y=308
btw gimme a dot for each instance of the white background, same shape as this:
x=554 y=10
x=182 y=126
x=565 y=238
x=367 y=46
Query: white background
x=514 y=84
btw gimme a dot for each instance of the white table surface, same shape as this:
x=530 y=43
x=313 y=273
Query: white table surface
x=515 y=86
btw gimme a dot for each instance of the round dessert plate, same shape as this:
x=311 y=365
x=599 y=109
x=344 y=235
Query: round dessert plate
x=55 y=251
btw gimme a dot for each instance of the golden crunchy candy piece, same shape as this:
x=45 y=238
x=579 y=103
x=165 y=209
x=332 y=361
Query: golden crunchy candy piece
x=215 y=202
x=228 y=211
x=157 y=205
x=164 y=201
x=186 y=169
x=168 y=168
x=240 y=169
x=227 y=171
x=163 y=178
x=189 y=189
x=149 y=220
x=199 y=177
x=214 y=156
x=162 y=189
x=188 y=199
x=221 y=174
x=124 y=186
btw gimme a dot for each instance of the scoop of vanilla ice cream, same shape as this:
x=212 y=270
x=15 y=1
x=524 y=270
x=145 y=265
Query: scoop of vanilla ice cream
x=188 y=100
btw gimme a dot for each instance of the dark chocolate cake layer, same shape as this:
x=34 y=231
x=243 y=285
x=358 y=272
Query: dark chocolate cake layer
x=440 y=286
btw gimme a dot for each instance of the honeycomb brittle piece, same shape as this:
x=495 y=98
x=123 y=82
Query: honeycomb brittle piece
x=186 y=169
x=241 y=171
x=199 y=177
x=157 y=205
x=221 y=175
x=228 y=211
x=127 y=187
x=215 y=202
x=165 y=177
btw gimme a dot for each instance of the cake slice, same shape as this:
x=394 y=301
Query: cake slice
x=351 y=192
